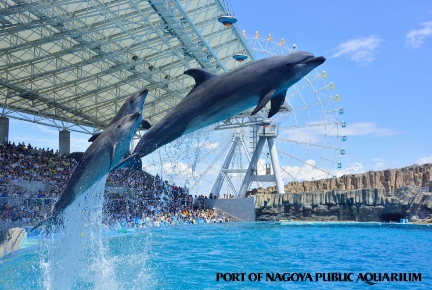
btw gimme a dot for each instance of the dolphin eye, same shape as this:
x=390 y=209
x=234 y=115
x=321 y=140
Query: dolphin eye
x=118 y=126
x=131 y=102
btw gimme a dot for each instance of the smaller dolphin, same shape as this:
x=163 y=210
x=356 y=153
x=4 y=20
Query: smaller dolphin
x=100 y=157
x=134 y=104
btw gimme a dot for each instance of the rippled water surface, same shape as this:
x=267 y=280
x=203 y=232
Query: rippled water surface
x=188 y=257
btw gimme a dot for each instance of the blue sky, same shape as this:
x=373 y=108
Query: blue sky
x=378 y=56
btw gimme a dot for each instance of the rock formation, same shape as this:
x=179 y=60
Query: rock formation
x=372 y=196
x=389 y=180
x=351 y=205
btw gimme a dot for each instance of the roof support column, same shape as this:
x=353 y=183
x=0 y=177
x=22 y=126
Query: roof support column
x=4 y=130
x=64 y=141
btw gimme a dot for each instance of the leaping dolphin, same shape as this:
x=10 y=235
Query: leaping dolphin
x=216 y=98
x=134 y=104
x=100 y=157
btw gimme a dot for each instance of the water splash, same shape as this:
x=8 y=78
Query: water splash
x=78 y=257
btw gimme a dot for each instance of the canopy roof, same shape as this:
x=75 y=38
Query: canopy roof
x=71 y=64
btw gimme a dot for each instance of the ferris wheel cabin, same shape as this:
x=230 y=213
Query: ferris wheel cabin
x=227 y=19
x=240 y=56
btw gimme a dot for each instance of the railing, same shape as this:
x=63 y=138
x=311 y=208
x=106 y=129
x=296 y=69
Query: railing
x=27 y=201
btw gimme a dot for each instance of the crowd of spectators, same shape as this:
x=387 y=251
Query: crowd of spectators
x=32 y=179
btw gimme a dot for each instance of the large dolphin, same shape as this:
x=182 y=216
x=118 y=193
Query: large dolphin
x=99 y=158
x=216 y=98
x=134 y=104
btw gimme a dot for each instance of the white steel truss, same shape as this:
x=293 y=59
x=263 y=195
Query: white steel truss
x=73 y=63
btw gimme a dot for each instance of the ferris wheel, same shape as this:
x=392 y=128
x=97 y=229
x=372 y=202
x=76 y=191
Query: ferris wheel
x=308 y=139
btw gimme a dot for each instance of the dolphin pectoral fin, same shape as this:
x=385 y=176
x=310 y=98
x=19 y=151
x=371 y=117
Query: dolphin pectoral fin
x=94 y=137
x=276 y=103
x=263 y=101
x=76 y=155
x=199 y=75
x=145 y=124
x=132 y=161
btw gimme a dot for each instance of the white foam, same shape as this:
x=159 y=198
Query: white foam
x=78 y=258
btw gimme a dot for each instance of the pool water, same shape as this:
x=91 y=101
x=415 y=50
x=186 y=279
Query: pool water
x=190 y=256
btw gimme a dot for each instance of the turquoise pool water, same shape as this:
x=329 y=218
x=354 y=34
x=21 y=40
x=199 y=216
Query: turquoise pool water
x=189 y=257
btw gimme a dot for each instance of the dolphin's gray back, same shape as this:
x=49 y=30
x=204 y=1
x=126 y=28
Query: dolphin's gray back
x=216 y=98
x=206 y=104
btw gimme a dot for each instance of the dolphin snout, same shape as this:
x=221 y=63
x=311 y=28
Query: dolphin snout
x=142 y=93
x=314 y=60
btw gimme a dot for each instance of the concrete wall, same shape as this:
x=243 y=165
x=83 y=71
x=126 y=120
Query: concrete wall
x=10 y=240
x=242 y=209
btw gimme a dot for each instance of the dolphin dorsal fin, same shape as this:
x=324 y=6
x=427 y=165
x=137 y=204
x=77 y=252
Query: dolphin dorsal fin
x=92 y=138
x=76 y=155
x=199 y=75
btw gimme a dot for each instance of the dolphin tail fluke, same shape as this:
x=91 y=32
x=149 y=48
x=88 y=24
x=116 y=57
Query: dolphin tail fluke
x=276 y=103
x=48 y=222
x=94 y=137
x=145 y=124
x=132 y=161
x=76 y=155
x=263 y=101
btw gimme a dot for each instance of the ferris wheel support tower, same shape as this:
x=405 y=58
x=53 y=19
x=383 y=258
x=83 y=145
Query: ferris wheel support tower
x=267 y=131
x=237 y=144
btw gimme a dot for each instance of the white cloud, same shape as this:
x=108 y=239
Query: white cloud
x=415 y=38
x=306 y=134
x=361 y=49
x=366 y=128
x=316 y=133
x=79 y=144
x=379 y=166
x=307 y=172
x=47 y=129
x=425 y=160
x=352 y=168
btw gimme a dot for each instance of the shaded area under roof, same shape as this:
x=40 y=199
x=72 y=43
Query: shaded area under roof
x=71 y=64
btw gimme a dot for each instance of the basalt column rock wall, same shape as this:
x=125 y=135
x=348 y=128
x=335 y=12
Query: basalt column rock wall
x=389 y=180
x=349 y=205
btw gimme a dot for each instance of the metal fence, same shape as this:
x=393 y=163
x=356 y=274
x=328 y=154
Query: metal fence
x=26 y=201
